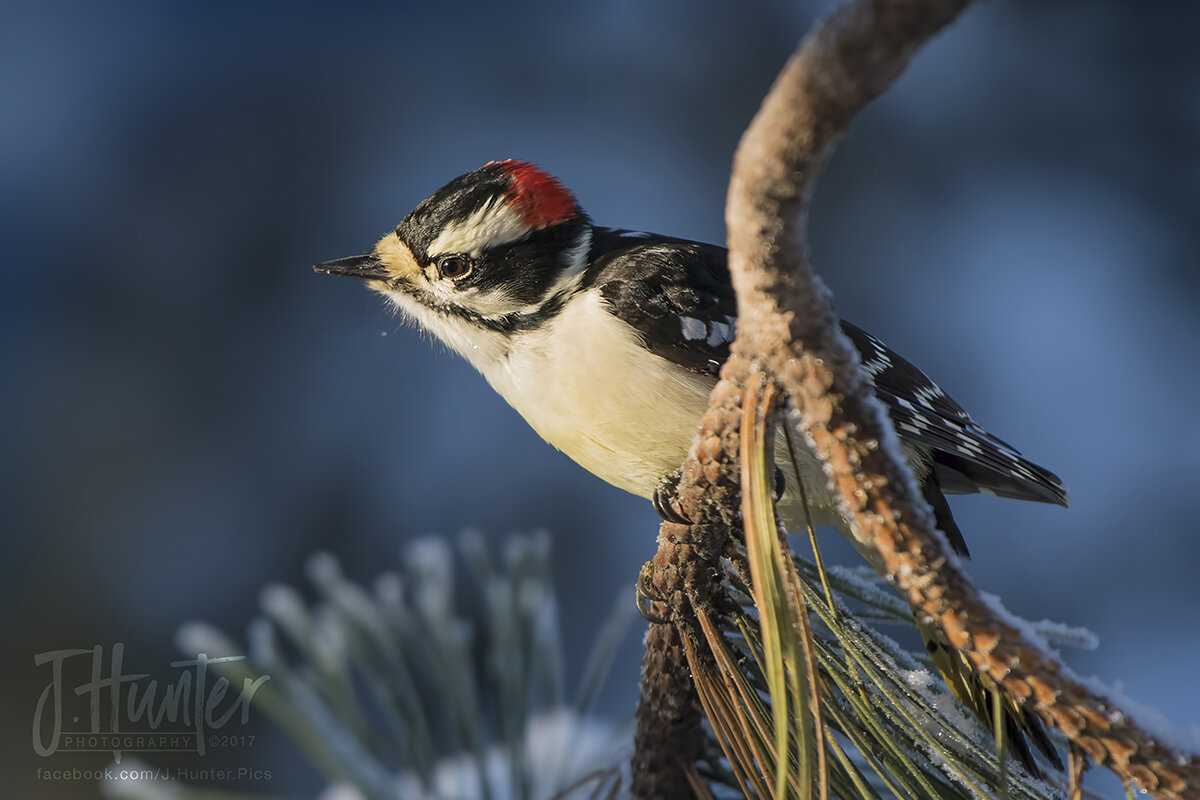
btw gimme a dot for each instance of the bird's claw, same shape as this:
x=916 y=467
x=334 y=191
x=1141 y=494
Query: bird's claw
x=666 y=502
x=646 y=595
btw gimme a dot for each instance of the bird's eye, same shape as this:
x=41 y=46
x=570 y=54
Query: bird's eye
x=454 y=267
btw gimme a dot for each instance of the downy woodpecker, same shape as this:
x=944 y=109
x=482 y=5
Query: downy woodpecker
x=609 y=341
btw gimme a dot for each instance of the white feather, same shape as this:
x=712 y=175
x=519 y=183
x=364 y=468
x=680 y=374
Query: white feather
x=496 y=223
x=588 y=385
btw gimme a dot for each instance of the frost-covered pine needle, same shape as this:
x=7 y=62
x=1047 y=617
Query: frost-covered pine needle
x=403 y=690
x=892 y=727
x=420 y=688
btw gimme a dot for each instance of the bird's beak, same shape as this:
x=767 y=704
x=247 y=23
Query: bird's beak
x=366 y=267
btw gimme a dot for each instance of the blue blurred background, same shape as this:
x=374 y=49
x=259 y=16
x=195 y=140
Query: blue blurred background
x=191 y=411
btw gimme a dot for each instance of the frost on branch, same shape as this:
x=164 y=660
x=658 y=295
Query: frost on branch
x=787 y=328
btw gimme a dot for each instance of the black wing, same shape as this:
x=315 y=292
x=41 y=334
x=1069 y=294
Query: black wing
x=967 y=459
x=677 y=294
x=674 y=292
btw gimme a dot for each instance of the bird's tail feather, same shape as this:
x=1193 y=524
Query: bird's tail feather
x=978 y=693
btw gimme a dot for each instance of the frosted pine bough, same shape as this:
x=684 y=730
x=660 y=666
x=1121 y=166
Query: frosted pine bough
x=383 y=696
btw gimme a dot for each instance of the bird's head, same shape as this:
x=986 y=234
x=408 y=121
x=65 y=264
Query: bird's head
x=491 y=247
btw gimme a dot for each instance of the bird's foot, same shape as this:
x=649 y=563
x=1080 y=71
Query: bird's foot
x=666 y=501
x=646 y=595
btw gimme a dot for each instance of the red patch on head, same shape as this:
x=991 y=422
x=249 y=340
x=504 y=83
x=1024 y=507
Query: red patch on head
x=540 y=198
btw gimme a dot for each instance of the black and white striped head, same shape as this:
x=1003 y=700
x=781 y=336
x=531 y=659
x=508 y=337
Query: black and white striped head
x=493 y=247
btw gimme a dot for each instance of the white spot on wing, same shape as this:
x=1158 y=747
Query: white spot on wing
x=692 y=328
x=878 y=361
x=968 y=444
x=720 y=333
x=927 y=394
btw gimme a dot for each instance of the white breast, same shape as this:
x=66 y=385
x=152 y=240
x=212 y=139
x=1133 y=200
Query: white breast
x=589 y=387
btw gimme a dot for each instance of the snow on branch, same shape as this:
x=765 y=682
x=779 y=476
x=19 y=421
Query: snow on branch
x=787 y=324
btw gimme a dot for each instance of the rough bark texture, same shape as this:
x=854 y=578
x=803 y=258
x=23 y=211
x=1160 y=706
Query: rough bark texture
x=669 y=739
x=668 y=736
x=787 y=321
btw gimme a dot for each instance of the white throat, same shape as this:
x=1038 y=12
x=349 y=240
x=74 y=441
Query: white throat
x=477 y=344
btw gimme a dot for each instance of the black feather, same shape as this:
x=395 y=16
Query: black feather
x=677 y=295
